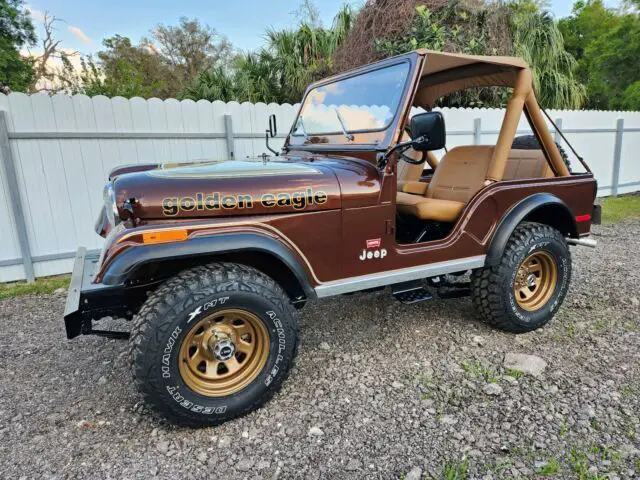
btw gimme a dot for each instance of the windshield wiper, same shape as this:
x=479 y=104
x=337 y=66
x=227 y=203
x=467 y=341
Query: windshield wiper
x=304 y=130
x=348 y=135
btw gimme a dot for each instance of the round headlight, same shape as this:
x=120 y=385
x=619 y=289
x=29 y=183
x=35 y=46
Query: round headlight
x=110 y=207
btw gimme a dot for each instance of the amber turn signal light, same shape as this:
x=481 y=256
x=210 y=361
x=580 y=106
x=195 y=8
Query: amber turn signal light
x=164 y=236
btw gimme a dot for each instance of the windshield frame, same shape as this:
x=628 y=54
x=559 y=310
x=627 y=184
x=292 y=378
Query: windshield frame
x=370 y=139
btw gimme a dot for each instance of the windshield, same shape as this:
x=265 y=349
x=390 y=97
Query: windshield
x=366 y=102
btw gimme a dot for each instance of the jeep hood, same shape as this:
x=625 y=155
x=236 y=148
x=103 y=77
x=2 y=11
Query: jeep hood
x=226 y=188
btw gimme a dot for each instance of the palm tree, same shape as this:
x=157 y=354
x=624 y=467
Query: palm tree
x=281 y=71
x=306 y=54
x=538 y=41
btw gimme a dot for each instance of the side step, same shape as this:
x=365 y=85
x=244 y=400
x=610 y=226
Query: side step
x=411 y=292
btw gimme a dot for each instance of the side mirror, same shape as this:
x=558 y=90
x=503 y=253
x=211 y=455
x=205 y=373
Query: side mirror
x=428 y=132
x=273 y=128
x=271 y=132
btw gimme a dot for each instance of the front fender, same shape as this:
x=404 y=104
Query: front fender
x=127 y=262
x=541 y=207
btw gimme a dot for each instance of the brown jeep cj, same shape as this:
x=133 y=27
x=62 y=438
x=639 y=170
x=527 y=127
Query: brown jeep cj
x=212 y=259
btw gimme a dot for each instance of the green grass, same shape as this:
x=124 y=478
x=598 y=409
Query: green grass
x=564 y=427
x=621 y=208
x=456 y=470
x=476 y=369
x=626 y=390
x=40 y=286
x=550 y=468
x=517 y=374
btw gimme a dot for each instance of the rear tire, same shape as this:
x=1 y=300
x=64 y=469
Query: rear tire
x=526 y=288
x=213 y=343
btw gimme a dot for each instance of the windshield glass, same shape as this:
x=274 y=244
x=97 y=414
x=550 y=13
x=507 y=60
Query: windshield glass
x=365 y=102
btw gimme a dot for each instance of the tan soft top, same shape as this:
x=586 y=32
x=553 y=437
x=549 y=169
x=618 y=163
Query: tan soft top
x=445 y=73
x=439 y=61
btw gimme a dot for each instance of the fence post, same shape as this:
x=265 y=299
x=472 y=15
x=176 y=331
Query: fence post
x=8 y=171
x=228 y=125
x=558 y=138
x=617 y=156
x=477 y=131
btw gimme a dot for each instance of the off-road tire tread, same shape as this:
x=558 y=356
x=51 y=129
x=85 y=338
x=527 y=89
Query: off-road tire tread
x=485 y=282
x=176 y=294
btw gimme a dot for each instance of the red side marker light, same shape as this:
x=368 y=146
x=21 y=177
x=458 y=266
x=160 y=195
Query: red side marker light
x=583 y=218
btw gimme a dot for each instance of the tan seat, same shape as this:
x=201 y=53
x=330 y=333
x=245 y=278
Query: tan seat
x=406 y=171
x=429 y=208
x=526 y=164
x=460 y=174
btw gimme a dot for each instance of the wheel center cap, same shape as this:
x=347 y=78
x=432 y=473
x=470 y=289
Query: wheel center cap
x=531 y=280
x=224 y=350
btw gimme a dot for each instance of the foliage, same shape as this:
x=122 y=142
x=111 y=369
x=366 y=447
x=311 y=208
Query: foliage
x=631 y=97
x=456 y=470
x=188 y=49
x=456 y=27
x=537 y=39
x=611 y=70
x=214 y=84
x=16 y=31
x=159 y=66
x=606 y=44
x=378 y=19
x=281 y=71
x=550 y=468
x=123 y=69
x=588 y=59
x=479 y=28
x=40 y=286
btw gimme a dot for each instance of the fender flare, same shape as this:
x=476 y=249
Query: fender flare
x=516 y=215
x=125 y=263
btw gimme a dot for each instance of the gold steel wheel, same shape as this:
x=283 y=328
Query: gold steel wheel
x=535 y=281
x=223 y=353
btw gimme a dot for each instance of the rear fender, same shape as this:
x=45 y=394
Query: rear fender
x=542 y=208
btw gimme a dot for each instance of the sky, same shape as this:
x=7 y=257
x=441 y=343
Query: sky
x=243 y=22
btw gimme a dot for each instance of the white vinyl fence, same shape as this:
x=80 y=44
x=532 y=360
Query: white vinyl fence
x=56 y=153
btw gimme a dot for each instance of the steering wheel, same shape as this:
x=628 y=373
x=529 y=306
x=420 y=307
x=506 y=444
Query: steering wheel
x=407 y=158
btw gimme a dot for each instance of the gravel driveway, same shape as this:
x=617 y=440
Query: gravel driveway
x=380 y=390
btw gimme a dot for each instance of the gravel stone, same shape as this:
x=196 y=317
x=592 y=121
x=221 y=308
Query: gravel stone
x=316 y=432
x=353 y=465
x=530 y=364
x=449 y=420
x=492 y=389
x=163 y=447
x=244 y=465
x=414 y=474
x=588 y=396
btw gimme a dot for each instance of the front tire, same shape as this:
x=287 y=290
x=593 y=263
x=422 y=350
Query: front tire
x=526 y=288
x=213 y=343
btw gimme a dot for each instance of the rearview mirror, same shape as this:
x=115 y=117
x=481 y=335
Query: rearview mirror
x=428 y=132
x=273 y=128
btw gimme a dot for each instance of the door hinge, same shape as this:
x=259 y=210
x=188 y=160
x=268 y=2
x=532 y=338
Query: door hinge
x=390 y=227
